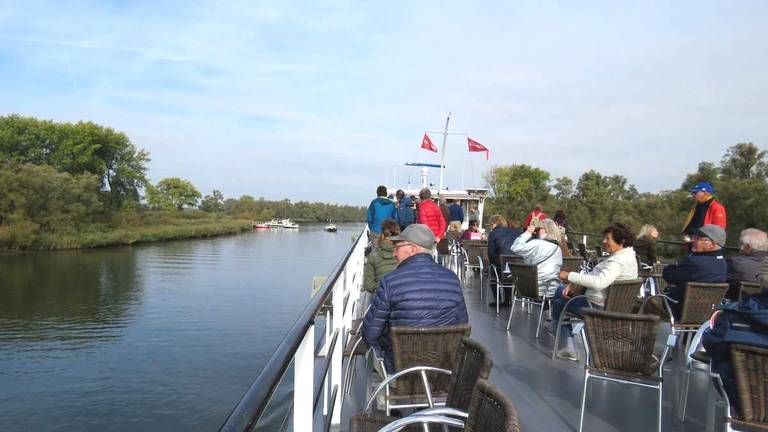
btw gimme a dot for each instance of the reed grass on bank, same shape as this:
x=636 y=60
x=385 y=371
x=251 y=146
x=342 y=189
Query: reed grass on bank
x=159 y=229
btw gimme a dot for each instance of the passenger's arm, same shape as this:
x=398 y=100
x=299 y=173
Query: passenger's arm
x=377 y=318
x=600 y=278
x=369 y=277
x=521 y=245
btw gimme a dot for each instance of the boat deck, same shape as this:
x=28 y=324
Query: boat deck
x=547 y=393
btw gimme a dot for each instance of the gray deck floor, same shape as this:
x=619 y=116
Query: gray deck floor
x=547 y=392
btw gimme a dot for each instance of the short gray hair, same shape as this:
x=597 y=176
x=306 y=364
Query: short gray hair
x=553 y=232
x=755 y=238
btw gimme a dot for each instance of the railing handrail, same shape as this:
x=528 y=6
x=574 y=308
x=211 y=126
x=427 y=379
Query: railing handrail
x=670 y=242
x=253 y=403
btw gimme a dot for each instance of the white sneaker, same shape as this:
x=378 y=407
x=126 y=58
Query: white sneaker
x=567 y=354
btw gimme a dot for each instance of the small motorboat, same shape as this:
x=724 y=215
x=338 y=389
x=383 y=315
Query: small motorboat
x=260 y=226
x=331 y=228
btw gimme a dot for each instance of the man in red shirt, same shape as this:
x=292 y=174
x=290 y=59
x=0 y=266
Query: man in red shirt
x=707 y=210
x=430 y=214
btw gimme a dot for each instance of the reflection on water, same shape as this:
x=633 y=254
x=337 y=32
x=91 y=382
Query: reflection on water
x=158 y=337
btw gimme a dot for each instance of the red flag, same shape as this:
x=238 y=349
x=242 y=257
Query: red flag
x=475 y=146
x=426 y=144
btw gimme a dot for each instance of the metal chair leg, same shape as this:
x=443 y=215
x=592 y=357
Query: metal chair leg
x=658 y=415
x=511 y=311
x=583 y=401
x=541 y=315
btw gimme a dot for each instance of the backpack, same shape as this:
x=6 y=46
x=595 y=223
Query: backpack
x=405 y=216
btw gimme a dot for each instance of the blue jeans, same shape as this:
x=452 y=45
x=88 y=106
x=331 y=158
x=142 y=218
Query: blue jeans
x=558 y=304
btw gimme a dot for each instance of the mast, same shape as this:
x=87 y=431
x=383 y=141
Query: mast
x=442 y=154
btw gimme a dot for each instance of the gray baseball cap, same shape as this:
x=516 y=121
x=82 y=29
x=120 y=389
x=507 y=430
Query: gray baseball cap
x=417 y=234
x=713 y=232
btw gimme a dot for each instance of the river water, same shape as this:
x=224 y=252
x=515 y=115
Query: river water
x=156 y=337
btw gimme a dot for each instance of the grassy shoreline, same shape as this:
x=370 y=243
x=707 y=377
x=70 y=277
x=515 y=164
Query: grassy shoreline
x=130 y=235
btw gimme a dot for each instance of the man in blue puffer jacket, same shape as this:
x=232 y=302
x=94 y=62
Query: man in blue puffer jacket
x=379 y=210
x=418 y=293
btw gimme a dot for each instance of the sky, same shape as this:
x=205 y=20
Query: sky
x=324 y=101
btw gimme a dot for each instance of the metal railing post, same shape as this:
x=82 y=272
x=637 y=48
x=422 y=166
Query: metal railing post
x=338 y=325
x=303 y=383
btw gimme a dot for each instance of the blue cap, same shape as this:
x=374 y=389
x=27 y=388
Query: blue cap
x=702 y=186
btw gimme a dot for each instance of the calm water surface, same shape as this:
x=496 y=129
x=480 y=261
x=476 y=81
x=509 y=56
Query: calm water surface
x=158 y=337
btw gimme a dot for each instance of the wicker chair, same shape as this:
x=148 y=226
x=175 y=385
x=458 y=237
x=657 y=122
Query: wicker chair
x=489 y=411
x=619 y=297
x=472 y=362
x=430 y=347
x=699 y=301
x=620 y=348
x=504 y=278
x=473 y=252
x=572 y=264
x=748 y=288
x=526 y=290
x=750 y=368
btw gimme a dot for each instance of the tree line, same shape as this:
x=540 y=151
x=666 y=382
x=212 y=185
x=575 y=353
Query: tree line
x=594 y=200
x=68 y=179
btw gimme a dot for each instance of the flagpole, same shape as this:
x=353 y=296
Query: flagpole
x=442 y=155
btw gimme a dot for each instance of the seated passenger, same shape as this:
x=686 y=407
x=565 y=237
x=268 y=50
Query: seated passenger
x=645 y=244
x=545 y=253
x=705 y=264
x=743 y=322
x=418 y=293
x=620 y=265
x=473 y=232
x=381 y=260
x=500 y=236
x=753 y=245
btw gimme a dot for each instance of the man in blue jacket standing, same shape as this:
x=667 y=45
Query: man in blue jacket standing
x=418 y=293
x=380 y=209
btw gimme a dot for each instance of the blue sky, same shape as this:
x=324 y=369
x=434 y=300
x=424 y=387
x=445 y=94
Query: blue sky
x=322 y=100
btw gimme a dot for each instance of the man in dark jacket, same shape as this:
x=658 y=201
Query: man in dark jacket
x=705 y=264
x=753 y=245
x=742 y=322
x=418 y=293
x=499 y=243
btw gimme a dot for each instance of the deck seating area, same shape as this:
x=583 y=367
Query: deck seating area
x=552 y=394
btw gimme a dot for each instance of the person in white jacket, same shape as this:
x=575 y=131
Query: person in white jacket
x=545 y=253
x=619 y=266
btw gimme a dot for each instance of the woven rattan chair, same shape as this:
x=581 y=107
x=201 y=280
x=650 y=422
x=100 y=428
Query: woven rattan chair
x=620 y=348
x=526 y=290
x=489 y=411
x=748 y=288
x=473 y=252
x=430 y=347
x=572 y=264
x=619 y=297
x=750 y=368
x=472 y=362
x=503 y=276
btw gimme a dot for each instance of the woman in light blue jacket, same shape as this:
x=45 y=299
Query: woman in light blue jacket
x=544 y=252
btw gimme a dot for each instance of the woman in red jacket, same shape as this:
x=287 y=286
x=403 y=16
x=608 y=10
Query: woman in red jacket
x=430 y=214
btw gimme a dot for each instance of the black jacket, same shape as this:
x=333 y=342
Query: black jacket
x=499 y=239
x=418 y=293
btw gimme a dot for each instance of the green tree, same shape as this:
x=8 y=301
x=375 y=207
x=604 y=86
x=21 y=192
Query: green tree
x=743 y=161
x=213 y=203
x=172 y=193
x=516 y=189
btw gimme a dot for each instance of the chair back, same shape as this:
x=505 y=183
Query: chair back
x=661 y=284
x=491 y=410
x=571 y=264
x=748 y=288
x=699 y=301
x=526 y=278
x=474 y=250
x=621 y=296
x=442 y=246
x=425 y=346
x=750 y=367
x=582 y=250
x=621 y=342
x=505 y=276
x=472 y=362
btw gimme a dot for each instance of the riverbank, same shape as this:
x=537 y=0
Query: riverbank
x=144 y=230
